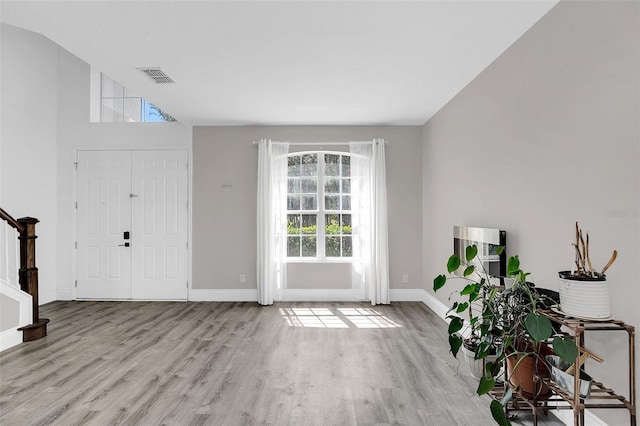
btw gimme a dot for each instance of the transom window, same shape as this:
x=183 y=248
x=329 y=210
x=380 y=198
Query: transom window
x=111 y=102
x=319 y=205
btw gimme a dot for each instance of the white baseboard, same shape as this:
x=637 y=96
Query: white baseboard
x=48 y=296
x=435 y=305
x=64 y=294
x=10 y=338
x=407 y=295
x=230 y=295
x=566 y=417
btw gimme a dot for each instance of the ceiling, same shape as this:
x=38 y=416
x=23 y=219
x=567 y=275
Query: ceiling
x=291 y=62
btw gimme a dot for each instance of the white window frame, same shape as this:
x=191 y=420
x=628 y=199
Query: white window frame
x=320 y=212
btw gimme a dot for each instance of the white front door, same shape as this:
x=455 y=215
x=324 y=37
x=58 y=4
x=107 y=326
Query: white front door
x=132 y=225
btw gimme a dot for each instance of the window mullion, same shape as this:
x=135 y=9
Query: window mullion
x=320 y=215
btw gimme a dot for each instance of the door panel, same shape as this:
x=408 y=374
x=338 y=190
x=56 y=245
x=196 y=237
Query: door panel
x=103 y=214
x=159 y=224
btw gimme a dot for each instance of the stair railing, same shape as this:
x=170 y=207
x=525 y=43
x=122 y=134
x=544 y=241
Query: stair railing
x=28 y=272
x=9 y=249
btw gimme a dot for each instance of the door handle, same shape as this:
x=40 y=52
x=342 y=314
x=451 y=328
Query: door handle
x=123 y=245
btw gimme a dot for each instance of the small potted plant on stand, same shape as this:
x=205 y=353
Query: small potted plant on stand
x=505 y=323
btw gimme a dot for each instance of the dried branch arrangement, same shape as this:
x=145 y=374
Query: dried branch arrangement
x=584 y=268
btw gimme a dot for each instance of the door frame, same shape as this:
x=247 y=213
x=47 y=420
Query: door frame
x=74 y=219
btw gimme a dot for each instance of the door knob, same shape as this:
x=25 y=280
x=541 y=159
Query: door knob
x=124 y=245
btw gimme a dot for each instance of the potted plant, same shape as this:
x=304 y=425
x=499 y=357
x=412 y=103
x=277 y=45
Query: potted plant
x=501 y=320
x=466 y=336
x=514 y=313
x=584 y=291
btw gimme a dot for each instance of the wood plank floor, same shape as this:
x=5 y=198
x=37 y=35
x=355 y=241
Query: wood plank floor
x=196 y=363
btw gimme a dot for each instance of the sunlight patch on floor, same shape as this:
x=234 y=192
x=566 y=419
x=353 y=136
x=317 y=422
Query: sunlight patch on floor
x=343 y=318
x=368 y=318
x=312 y=317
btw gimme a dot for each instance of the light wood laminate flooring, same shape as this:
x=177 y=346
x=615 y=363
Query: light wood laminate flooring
x=206 y=363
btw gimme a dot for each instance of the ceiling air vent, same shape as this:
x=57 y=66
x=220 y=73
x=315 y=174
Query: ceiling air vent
x=157 y=75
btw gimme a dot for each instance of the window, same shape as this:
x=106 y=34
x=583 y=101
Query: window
x=319 y=205
x=111 y=102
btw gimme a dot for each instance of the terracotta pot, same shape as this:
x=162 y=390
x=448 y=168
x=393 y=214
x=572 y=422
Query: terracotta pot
x=522 y=376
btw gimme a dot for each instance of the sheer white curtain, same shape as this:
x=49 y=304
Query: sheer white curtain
x=272 y=219
x=369 y=219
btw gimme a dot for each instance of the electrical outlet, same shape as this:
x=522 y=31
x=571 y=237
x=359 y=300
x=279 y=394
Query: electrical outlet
x=243 y=278
x=405 y=278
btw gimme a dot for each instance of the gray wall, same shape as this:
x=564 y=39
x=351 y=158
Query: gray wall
x=547 y=135
x=319 y=275
x=224 y=198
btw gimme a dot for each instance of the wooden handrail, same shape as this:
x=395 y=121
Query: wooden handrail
x=10 y=220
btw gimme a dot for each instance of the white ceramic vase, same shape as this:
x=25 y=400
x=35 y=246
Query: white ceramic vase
x=584 y=299
x=475 y=365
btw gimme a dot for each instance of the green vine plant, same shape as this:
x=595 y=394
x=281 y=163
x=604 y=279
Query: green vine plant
x=500 y=321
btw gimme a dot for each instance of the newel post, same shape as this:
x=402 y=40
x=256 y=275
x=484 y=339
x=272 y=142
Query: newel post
x=28 y=278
